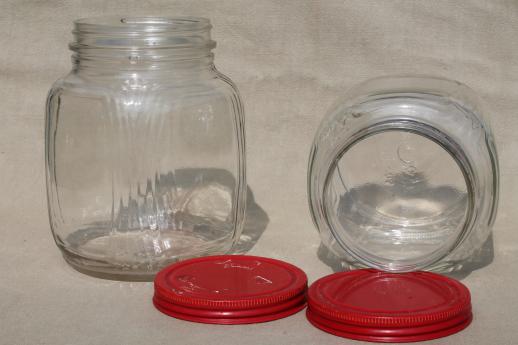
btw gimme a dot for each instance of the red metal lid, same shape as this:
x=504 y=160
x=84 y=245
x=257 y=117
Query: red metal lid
x=230 y=289
x=230 y=314
x=389 y=307
x=231 y=317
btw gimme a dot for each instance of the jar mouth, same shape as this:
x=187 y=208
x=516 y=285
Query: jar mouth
x=384 y=205
x=130 y=24
x=142 y=32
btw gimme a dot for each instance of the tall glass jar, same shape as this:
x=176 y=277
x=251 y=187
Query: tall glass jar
x=145 y=148
x=403 y=175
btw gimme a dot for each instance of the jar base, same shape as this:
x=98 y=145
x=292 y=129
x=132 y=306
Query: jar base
x=121 y=272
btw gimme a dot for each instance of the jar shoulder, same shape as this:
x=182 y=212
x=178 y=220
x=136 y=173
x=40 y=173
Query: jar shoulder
x=164 y=98
x=211 y=81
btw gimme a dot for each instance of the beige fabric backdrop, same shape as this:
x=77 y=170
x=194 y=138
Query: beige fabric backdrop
x=291 y=60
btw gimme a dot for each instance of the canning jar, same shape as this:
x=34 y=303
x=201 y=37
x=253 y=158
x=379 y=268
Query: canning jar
x=403 y=175
x=145 y=155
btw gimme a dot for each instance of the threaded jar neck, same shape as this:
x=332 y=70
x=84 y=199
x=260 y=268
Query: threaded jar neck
x=142 y=43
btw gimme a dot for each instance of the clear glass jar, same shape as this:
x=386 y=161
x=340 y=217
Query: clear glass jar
x=145 y=148
x=403 y=175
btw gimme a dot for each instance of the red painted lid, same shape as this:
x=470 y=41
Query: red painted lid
x=230 y=317
x=389 y=307
x=230 y=289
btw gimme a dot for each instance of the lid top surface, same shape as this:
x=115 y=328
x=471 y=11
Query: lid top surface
x=234 y=281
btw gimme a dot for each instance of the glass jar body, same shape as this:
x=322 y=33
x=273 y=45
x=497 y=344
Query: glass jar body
x=403 y=175
x=145 y=165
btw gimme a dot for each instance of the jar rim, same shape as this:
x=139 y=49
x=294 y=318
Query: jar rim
x=141 y=24
x=173 y=36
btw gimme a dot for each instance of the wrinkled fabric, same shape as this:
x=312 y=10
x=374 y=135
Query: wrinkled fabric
x=291 y=60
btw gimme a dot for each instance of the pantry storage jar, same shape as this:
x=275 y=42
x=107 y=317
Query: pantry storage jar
x=403 y=175
x=145 y=148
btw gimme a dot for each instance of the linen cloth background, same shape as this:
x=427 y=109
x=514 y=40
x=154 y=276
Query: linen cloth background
x=291 y=60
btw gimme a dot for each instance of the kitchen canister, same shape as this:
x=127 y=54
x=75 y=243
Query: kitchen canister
x=145 y=148
x=403 y=175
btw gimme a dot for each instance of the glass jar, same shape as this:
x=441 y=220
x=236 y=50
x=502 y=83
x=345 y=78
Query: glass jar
x=403 y=175
x=145 y=148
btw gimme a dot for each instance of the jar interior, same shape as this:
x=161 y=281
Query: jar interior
x=396 y=199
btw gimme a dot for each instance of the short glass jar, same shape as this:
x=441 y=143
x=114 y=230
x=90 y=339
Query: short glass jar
x=403 y=175
x=145 y=148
